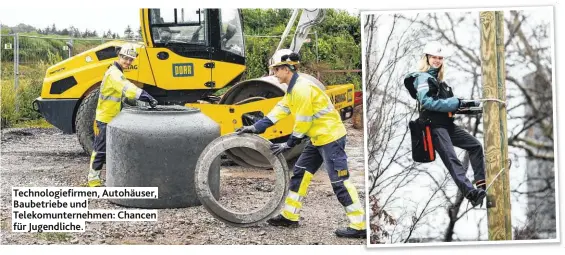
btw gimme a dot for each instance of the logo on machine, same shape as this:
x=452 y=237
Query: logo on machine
x=183 y=70
x=132 y=67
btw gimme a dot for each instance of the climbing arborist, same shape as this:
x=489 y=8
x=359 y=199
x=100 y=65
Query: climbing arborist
x=113 y=88
x=320 y=125
x=437 y=107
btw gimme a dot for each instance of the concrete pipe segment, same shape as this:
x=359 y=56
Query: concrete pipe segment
x=204 y=170
x=160 y=148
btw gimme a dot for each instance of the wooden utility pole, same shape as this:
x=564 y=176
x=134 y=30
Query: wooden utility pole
x=494 y=119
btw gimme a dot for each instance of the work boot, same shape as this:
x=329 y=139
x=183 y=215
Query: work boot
x=476 y=197
x=351 y=233
x=94 y=178
x=281 y=221
x=95 y=183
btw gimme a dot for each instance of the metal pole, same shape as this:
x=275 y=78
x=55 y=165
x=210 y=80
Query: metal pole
x=71 y=47
x=16 y=70
x=316 y=36
x=492 y=60
x=288 y=27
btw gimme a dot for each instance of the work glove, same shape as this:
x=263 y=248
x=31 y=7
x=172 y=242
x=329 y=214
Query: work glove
x=153 y=102
x=464 y=103
x=278 y=148
x=246 y=129
x=145 y=97
x=475 y=110
x=130 y=102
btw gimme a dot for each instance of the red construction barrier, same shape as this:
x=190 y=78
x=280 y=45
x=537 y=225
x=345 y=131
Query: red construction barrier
x=358 y=98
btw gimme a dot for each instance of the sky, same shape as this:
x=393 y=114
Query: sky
x=115 y=19
x=100 y=19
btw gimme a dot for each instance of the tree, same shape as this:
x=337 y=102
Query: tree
x=388 y=114
x=74 y=32
x=392 y=45
x=128 y=33
x=86 y=33
x=108 y=34
x=527 y=49
x=264 y=21
x=336 y=50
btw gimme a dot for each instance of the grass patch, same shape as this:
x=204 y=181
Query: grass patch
x=29 y=88
x=54 y=236
x=8 y=110
x=38 y=123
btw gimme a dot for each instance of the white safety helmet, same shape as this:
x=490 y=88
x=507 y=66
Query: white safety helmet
x=276 y=60
x=436 y=49
x=128 y=50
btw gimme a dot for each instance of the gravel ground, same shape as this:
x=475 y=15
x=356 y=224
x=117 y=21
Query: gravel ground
x=46 y=157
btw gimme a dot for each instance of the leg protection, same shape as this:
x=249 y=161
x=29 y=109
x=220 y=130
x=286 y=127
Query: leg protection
x=98 y=157
x=304 y=169
x=335 y=160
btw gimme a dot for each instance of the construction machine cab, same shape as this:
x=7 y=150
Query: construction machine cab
x=208 y=30
x=185 y=45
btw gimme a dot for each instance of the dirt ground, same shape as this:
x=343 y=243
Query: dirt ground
x=46 y=157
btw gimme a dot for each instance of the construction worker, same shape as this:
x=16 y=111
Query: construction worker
x=317 y=121
x=438 y=105
x=114 y=87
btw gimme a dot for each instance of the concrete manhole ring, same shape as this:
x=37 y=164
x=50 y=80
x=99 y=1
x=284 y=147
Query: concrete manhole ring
x=259 y=144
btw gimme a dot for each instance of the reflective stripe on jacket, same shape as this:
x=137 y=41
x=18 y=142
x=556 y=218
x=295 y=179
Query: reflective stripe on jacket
x=114 y=86
x=315 y=115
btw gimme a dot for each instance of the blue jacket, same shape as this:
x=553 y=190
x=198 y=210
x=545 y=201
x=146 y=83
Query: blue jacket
x=429 y=103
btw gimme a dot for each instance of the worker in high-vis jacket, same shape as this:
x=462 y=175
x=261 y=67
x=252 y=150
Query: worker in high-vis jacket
x=113 y=88
x=318 y=121
x=438 y=106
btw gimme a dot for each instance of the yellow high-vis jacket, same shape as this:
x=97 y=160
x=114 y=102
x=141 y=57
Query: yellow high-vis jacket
x=315 y=115
x=114 y=86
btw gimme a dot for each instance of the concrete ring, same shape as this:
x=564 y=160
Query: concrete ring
x=257 y=143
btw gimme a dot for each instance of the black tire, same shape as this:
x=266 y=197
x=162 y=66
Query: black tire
x=85 y=119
